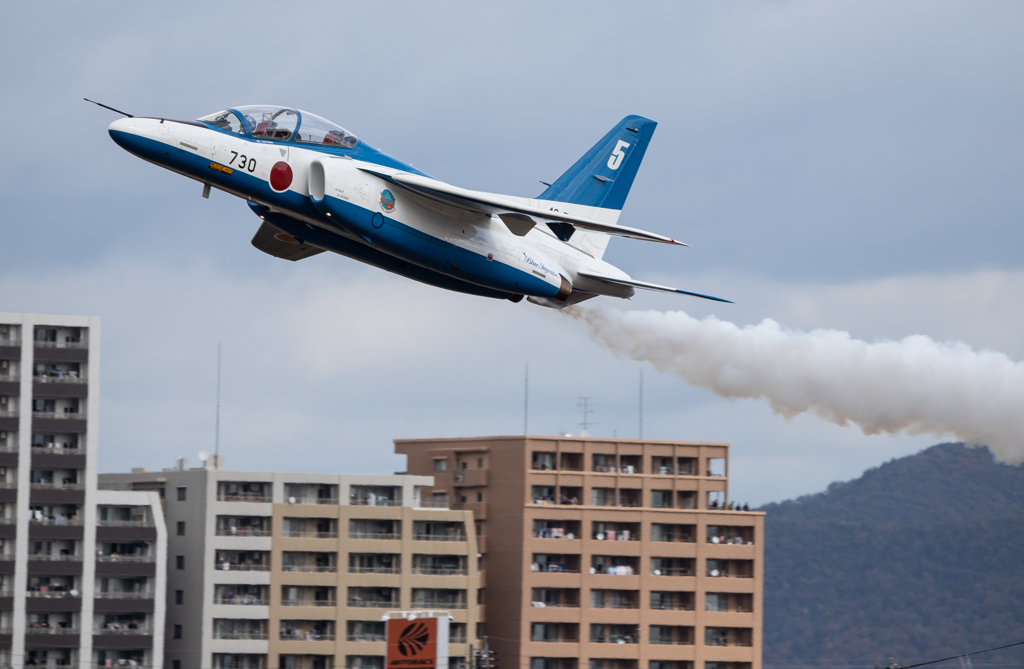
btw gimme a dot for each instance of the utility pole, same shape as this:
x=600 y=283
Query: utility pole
x=484 y=658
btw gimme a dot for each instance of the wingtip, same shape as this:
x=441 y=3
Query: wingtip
x=678 y=243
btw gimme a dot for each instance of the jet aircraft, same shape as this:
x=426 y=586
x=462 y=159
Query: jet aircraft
x=318 y=187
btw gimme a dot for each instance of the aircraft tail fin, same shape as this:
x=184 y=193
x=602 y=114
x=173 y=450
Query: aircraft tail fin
x=603 y=176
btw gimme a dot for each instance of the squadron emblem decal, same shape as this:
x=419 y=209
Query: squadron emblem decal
x=387 y=200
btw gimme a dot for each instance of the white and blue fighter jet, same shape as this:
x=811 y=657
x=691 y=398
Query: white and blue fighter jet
x=317 y=187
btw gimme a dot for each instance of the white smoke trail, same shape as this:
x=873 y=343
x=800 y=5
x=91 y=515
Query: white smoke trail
x=915 y=385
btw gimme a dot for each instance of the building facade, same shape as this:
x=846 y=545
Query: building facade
x=296 y=571
x=81 y=580
x=606 y=554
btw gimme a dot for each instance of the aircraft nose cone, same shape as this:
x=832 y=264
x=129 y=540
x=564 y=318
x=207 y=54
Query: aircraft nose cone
x=123 y=132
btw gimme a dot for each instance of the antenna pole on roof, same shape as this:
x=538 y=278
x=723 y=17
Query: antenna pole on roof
x=641 y=403
x=216 y=433
x=526 y=402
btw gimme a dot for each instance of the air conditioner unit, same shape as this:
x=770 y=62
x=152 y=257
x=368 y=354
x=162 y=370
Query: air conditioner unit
x=459 y=478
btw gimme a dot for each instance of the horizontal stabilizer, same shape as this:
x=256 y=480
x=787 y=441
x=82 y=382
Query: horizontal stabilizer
x=273 y=242
x=492 y=203
x=648 y=286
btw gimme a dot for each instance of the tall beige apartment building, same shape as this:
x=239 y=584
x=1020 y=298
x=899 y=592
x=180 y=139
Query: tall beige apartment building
x=272 y=570
x=606 y=554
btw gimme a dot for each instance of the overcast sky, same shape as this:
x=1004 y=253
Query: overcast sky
x=849 y=165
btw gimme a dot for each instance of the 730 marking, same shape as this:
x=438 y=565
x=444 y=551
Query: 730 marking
x=243 y=162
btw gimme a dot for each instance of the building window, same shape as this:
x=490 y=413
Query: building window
x=180 y=560
x=179 y=596
x=479 y=463
x=479 y=496
x=479 y=529
x=177 y=631
x=181 y=493
x=181 y=528
x=441 y=465
x=176 y=664
x=465 y=465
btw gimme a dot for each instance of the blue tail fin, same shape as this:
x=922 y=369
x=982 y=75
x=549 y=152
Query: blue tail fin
x=604 y=175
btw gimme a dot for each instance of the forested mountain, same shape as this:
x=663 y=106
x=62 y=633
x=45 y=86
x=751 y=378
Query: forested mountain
x=918 y=559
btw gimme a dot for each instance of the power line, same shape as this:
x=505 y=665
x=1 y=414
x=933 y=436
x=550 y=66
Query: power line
x=977 y=652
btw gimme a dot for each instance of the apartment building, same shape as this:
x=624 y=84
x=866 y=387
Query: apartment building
x=81 y=570
x=296 y=571
x=606 y=554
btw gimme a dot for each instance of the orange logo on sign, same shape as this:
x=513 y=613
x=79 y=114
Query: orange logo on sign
x=412 y=644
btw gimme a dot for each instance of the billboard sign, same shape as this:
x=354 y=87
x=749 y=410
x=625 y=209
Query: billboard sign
x=418 y=643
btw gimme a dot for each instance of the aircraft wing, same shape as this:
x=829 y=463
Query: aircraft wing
x=273 y=242
x=519 y=216
x=648 y=286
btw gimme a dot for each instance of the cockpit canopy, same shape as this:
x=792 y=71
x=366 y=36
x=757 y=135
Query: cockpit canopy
x=281 y=124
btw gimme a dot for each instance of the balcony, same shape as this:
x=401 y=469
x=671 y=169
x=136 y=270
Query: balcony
x=440 y=571
x=243 y=600
x=296 y=635
x=124 y=594
x=232 y=566
x=309 y=602
x=58 y=415
x=310 y=568
x=59 y=521
x=64 y=344
x=43 y=628
x=372 y=603
x=307 y=534
x=50 y=557
x=255 y=497
x=122 y=629
x=140 y=559
x=246 y=635
x=437 y=604
x=242 y=532
x=378 y=637
x=139 y=522
x=53 y=594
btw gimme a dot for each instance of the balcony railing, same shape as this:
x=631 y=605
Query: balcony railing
x=672 y=571
x=373 y=535
x=55 y=415
x=9 y=377
x=123 y=630
x=242 y=532
x=312 y=500
x=52 y=594
x=60 y=379
x=441 y=571
x=370 y=637
x=376 y=570
x=47 y=629
x=252 y=636
x=126 y=558
x=58 y=450
x=9 y=414
x=366 y=501
x=244 y=497
x=372 y=603
x=433 y=503
x=8 y=485
x=8 y=448
x=308 y=602
x=241 y=600
x=126 y=523
x=310 y=534
x=457 y=639
x=298 y=635
x=230 y=566
x=50 y=485
x=670 y=642
x=124 y=594
x=310 y=568
x=56 y=520
x=421 y=536
x=50 y=557
x=53 y=344
x=438 y=604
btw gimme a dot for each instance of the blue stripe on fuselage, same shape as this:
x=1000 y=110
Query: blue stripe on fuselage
x=394 y=237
